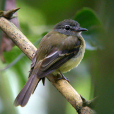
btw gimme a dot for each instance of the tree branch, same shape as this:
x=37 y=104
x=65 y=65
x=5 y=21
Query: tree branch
x=29 y=49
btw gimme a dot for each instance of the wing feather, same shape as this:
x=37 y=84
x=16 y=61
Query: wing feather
x=57 y=60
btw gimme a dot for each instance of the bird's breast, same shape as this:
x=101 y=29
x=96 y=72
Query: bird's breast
x=74 y=61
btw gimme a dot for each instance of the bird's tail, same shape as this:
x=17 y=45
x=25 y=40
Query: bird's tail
x=27 y=90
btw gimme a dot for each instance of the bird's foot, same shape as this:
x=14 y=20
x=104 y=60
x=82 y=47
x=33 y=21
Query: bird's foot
x=63 y=77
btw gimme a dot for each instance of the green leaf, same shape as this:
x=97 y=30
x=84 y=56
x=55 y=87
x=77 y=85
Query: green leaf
x=89 y=19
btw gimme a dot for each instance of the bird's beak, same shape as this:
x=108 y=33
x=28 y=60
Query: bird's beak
x=81 y=29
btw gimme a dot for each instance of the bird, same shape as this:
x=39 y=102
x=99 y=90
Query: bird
x=59 y=51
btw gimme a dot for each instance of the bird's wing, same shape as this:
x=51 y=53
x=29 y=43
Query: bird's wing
x=36 y=71
x=54 y=60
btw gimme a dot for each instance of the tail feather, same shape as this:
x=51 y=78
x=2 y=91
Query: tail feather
x=26 y=92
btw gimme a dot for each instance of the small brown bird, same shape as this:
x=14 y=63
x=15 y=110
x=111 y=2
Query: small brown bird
x=60 y=50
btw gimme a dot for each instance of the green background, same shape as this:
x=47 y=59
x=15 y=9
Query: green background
x=93 y=77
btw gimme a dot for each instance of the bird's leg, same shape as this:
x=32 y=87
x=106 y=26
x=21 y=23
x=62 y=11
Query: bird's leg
x=63 y=77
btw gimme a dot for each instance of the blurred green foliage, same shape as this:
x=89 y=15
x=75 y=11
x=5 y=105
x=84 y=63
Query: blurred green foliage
x=93 y=77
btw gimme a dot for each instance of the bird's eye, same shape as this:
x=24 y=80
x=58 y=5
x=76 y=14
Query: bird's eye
x=67 y=27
